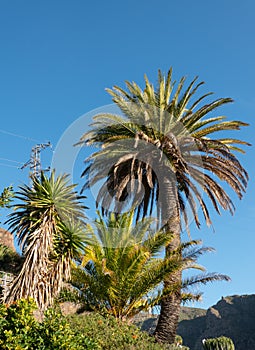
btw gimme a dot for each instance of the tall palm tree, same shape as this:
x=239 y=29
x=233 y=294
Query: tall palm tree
x=123 y=268
x=48 y=223
x=162 y=149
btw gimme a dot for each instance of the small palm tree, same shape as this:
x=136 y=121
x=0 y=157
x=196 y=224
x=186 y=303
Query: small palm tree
x=47 y=223
x=162 y=152
x=122 y=270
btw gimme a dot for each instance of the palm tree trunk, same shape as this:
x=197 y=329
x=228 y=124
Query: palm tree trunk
x=170 y=305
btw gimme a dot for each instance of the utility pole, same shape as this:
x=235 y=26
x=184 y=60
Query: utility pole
x=34 y=162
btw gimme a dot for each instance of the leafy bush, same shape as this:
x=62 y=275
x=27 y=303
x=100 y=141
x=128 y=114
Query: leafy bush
x=178 y=344
x=10 y=261
x=68 y=293
x=177 y=347
x=20 y=330
x=111 y=334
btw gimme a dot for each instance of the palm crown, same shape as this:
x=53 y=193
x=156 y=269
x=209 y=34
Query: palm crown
x=164 y=135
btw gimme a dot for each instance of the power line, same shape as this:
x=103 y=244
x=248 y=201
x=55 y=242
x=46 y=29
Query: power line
x=9 y=165
x=17 y=135
x=10 y=160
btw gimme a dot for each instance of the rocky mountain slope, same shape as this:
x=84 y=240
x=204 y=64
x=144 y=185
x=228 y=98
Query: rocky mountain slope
x=6 y=238
x=232 y=316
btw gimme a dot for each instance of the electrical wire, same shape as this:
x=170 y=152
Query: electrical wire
x=9 y=165
x=17 y=135
x=42 y=145
x=10 y=160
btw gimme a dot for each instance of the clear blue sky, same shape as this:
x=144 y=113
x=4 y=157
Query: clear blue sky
x=57 y=58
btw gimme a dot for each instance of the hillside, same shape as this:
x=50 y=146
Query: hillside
x=149 y=323
x=232 y=316
x=6 y=238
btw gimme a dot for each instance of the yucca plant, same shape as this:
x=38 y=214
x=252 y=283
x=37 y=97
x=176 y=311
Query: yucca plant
x=49 y=226
x=165 y=151
x=221 y=343
x=123 y=268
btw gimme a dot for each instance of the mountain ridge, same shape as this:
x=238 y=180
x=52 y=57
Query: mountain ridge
x=232 y=316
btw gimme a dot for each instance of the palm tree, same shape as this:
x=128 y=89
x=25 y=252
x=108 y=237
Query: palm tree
x=48 y=223
x=123 y=268
x=162 y=150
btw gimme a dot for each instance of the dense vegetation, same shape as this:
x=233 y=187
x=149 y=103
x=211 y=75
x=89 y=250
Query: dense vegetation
x=10 y=261
x=19 y=329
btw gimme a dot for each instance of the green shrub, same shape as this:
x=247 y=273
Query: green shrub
x=18 y=327
x=58 y=334
x=111 y=334
x=178 y=344
x=177 y=347
x=221 y=343
x=10 y=261
x=68 y=294
x=20 y=330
